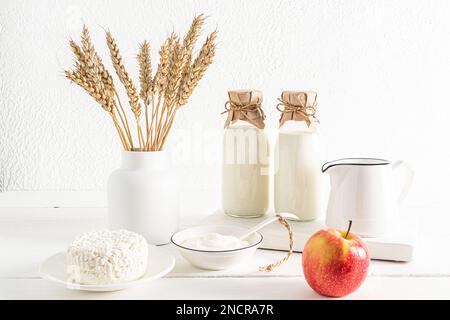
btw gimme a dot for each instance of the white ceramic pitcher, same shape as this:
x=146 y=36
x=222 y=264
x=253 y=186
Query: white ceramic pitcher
x=363 y=190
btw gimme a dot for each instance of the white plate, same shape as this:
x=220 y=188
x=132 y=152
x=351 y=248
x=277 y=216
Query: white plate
x=160 y=263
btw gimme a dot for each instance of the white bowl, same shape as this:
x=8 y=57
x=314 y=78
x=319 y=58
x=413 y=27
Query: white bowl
x=216 y=260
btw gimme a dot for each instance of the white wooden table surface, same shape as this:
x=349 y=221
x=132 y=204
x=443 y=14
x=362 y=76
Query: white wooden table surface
x=36 y=225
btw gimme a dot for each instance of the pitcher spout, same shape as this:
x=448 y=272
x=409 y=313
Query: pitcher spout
x=340 y=169
x=354 y=162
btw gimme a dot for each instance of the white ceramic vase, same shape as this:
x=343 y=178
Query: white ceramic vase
x=143 y=196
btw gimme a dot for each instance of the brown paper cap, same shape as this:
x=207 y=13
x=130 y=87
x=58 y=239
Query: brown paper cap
x=296 y=104
x=244 y=97
x=245 y=105
x=299 y=98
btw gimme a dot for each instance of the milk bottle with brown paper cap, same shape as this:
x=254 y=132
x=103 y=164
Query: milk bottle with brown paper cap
x=245 y=162
x=299 y=185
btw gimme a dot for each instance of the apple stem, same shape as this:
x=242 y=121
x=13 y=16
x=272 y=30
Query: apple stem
x=349 y=227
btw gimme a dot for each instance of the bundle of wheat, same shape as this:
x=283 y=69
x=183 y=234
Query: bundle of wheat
x=160 y=95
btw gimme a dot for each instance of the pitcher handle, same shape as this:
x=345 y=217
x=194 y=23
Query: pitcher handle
x=408 y=180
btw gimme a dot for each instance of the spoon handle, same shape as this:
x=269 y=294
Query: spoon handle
x=265 y=223
x=257 y=227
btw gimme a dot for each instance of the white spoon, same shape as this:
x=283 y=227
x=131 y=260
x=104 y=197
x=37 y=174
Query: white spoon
x=266 y=222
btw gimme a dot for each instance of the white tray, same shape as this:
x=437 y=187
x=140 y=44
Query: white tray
x=395 y=247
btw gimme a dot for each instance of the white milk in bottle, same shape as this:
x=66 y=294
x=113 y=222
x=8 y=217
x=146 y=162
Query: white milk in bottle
x=299 y=185
x=245 y=176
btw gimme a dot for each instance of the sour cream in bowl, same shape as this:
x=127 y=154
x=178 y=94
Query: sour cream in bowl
x=216 y=247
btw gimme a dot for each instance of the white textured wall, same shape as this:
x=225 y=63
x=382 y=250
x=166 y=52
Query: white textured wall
x=381 y=69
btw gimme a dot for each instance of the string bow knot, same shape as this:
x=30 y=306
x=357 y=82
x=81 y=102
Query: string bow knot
x=250 y=112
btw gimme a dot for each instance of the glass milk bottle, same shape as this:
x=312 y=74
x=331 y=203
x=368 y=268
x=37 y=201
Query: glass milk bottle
x=299 y=185
x=245 y=163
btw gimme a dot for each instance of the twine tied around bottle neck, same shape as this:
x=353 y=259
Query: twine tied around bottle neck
x=297 y=112
x=250 y=112
x=272 y=266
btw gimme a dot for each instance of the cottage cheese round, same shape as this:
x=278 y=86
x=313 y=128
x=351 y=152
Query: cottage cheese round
x=106 y=257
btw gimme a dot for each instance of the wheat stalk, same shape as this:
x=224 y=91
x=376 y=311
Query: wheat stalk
x=123 y=74
x=79 y=57
x=126 y=81
x=145 y=72
x=160 y=83
x=173 y=82
x=173 y=77
x=189 y=41
x=91 y=66
x=198 y=69
x=145 y=77
x=160 y=79
x=101 y=98
x=192 y=35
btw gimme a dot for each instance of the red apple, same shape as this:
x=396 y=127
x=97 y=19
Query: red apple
x=335 y=263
